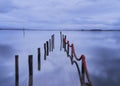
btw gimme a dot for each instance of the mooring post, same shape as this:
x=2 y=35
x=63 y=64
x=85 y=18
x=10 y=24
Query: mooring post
x=53 y=41
x=71 y=52
x=67 y=48
x=47 y=45
x=65 y=43
x=16 y=70
x=30 y=64
x=39 y=59
x=53 y=44
x=61 y=41
x=45 y=51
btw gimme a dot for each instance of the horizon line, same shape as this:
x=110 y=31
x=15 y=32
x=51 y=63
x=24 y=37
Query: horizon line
x=63 y=29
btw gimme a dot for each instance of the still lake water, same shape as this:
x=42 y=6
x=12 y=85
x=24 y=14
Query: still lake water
x=102 y=51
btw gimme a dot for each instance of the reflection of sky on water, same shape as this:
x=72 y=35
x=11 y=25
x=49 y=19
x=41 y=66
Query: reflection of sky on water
x=101 y=50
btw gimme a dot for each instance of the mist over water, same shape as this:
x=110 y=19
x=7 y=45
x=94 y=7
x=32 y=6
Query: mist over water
x=100 y=48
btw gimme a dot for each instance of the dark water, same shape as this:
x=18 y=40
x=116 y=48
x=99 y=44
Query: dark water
x=100 y=48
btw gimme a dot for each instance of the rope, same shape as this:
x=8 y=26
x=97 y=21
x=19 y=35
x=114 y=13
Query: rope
x=82 y=57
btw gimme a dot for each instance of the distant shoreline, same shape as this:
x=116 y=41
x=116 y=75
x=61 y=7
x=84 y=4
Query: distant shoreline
x=62 y=29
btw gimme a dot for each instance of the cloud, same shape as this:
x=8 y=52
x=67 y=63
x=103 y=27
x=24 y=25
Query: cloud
x=59 y=14
x=6 y=6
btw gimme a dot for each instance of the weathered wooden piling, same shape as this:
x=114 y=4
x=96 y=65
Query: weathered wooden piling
x=50 y=45
x=53 y=41
x=65 y=43
x=16 y=70
x=71 y=52
x=39 y=59
x=30 y=66
x=67 y=48
x=47 y=46
x=45 y=51
x=61 y=41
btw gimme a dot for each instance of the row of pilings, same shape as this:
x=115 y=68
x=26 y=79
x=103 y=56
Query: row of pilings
x=49 y=46
x=70 y=52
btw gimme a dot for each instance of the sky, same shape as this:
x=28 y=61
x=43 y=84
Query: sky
x=60 y=14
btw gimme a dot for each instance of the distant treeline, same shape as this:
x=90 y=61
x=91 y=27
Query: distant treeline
x=59 y=29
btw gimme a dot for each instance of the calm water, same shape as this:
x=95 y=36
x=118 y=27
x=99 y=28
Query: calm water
x=102 y=51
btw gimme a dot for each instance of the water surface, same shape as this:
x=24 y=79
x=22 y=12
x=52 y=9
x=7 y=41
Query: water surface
x=100 y=48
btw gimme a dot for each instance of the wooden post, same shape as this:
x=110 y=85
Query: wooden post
x=45 y=51
x=47 y=48
x=30 y=64
x=61 y=41
x=50 y=45
x=65 y=44
x=71 y=52
x=67 y=48
x=39 y=59
x=16 y=70
x=53 y=41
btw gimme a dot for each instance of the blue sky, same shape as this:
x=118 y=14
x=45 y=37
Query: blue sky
x=57 y=14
